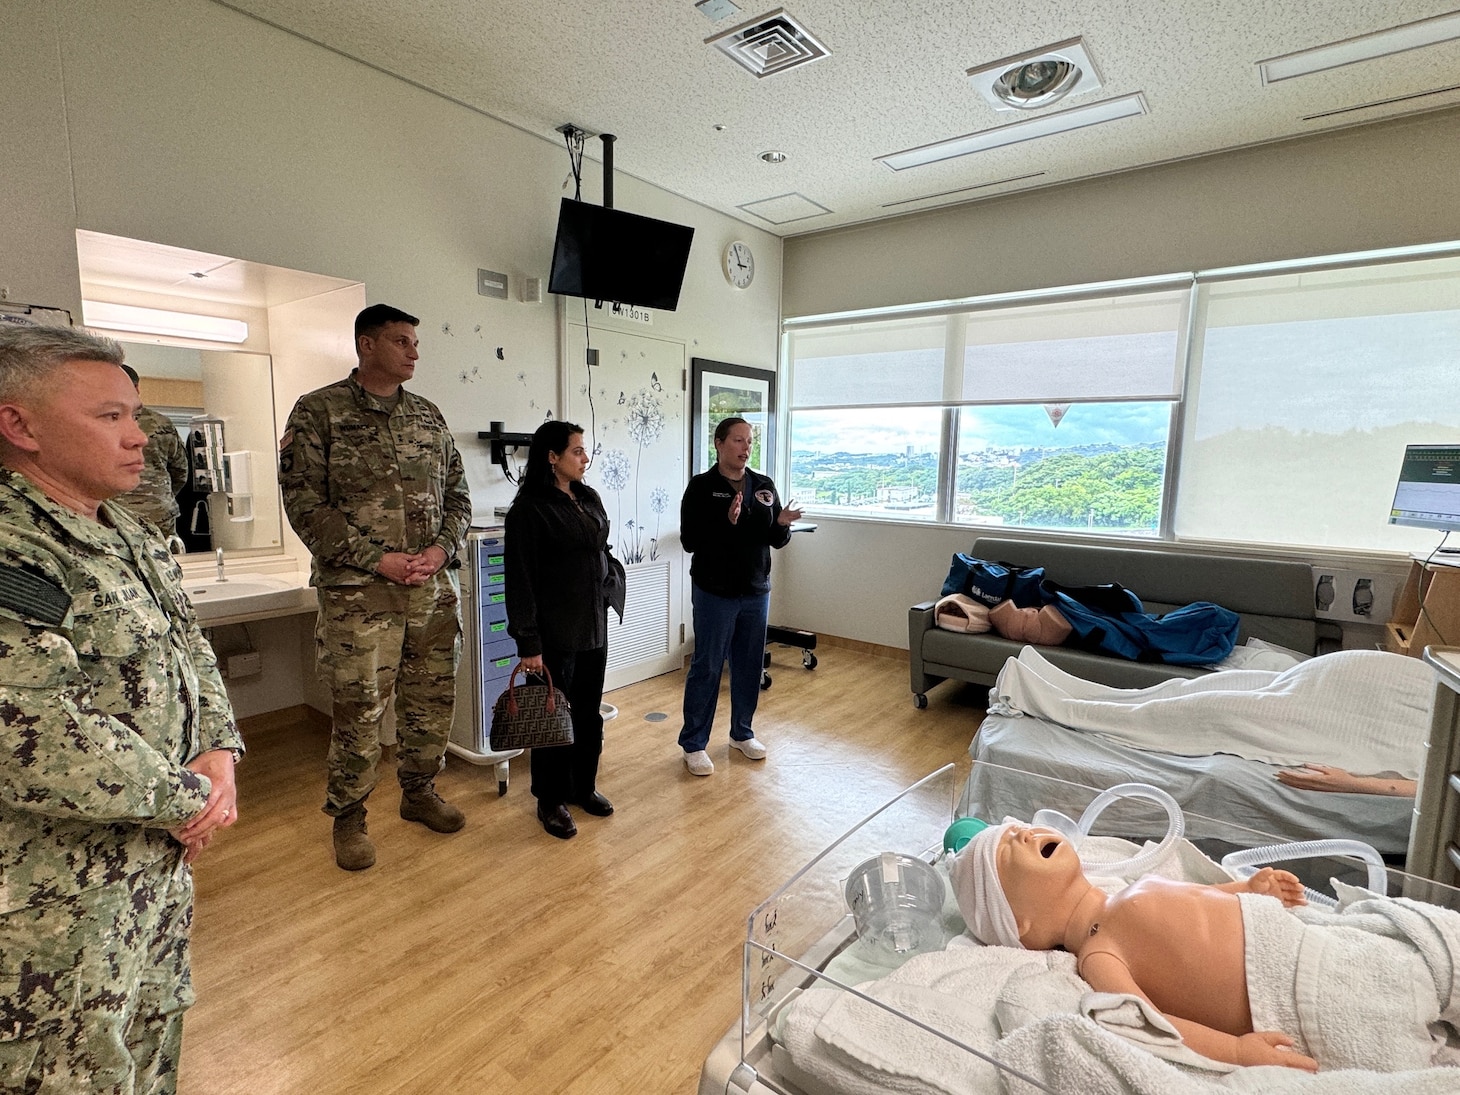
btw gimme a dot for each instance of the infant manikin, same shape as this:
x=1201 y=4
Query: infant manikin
x=1177 y=945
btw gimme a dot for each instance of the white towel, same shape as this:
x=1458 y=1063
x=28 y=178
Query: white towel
x=1069 y=1053
x=1363 y=710
x=1349 y=998
x=1139 y=1021
x=857 y=1048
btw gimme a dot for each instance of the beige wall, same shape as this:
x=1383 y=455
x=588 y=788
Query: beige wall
x=184 y=123
x=1383 y=185
x=1370 y=187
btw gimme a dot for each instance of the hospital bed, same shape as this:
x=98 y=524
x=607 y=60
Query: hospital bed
x=802 y=940
x=1027 y=762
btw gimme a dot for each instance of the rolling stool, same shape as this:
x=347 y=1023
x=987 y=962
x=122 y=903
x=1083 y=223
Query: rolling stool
x=787 y=636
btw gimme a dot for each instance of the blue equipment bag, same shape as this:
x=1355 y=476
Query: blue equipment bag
x=1110 y=619
x=990 y=582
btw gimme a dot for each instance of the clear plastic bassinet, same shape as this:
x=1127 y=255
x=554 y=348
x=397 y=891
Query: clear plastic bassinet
x=804 y=935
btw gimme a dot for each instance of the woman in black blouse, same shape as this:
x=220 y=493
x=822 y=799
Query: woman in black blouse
x=559 y=577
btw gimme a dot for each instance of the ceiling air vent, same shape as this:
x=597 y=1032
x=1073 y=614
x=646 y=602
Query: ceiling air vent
x=769 y=44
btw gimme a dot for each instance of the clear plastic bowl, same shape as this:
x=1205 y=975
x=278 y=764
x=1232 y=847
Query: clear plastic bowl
x=897 y=902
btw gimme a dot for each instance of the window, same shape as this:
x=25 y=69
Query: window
x=1053 y=414
x=1308 y=387
x=1292 y=404
x=1094 y=467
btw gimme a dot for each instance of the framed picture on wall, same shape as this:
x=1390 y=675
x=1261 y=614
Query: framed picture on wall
x=719 y=390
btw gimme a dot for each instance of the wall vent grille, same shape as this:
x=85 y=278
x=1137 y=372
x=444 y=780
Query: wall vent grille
x=644 y=633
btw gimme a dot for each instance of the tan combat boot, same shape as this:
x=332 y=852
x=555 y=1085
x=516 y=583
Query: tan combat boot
x=353 y=849
x=431 y=810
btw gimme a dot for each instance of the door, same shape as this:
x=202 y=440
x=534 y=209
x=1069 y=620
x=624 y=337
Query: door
x=635 y=424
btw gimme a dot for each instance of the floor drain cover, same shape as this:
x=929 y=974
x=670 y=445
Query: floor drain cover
x=655 y=716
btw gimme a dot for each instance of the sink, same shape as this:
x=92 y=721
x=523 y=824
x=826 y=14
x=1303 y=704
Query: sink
x=241 y=594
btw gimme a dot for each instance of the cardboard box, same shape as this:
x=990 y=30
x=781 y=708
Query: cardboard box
x=1427 y=611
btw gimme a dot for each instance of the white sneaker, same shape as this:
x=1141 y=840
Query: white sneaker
x=752 y=748
x=699 y=763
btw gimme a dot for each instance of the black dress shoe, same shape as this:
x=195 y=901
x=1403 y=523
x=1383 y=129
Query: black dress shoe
x=557 y=821
x=596 y=805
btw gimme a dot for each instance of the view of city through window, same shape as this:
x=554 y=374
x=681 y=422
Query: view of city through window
x=1091 y=466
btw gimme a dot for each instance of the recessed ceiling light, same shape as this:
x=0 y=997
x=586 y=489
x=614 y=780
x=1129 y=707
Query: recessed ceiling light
x=1425 y=32
x=718 y=127
x=1044 y=125
x=1031 y=80
x=773 y=156
x=1037 y=83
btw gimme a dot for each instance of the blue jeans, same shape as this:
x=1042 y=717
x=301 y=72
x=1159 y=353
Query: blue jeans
x=730 y=628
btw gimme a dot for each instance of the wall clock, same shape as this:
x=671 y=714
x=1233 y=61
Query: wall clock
x=739 y=264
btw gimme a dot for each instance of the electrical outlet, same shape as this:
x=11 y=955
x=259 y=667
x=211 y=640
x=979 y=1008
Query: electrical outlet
x=249 y=664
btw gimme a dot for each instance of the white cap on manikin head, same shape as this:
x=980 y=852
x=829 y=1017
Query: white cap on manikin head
x=981 y=900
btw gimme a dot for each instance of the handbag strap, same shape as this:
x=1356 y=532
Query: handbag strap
x=552 y=701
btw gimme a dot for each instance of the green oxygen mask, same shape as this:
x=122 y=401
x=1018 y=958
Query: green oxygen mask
x=961 y=832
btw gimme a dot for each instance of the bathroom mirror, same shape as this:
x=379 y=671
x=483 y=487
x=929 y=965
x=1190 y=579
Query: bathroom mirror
x=232 y=498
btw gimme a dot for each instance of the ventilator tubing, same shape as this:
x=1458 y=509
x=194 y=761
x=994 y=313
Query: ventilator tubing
x=1242 y=864
x=1076 y=832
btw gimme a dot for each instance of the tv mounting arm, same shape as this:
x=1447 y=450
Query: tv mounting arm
x=501 y=441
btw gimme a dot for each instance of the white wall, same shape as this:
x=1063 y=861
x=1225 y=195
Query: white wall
x=184 y=123
x=1376 y=186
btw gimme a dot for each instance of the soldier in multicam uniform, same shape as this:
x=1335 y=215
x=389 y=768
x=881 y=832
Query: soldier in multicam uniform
x=375 y=488
x=165 y=473
x=119 y=740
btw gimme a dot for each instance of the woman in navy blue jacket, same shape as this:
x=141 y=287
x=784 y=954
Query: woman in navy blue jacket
x=730 y=518
x=558 y=592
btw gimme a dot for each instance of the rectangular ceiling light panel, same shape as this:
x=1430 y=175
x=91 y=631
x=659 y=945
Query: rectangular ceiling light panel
x=1426 y=32
x=770 y=44
x=157 y=321
x=1045 y=125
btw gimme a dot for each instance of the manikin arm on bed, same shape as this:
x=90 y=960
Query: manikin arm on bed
x=1325 y=777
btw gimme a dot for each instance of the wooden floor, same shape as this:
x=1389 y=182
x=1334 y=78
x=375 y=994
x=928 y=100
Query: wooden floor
x=499 y=959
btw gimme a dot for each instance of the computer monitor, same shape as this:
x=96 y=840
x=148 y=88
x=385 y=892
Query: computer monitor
x=1428 y=493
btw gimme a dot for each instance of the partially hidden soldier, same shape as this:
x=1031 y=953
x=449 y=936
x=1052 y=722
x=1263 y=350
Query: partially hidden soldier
x=375 y=488
x=120 y=742
x=165 y=472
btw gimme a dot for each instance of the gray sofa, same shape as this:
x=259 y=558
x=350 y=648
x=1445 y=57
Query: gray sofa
x=1273 y=598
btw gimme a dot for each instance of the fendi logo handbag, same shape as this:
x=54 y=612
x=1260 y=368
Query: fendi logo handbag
x=531 y=716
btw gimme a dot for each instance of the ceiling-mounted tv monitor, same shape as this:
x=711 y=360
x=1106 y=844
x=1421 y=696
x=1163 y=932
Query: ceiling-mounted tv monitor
x=1428 y=493
x=607 y=254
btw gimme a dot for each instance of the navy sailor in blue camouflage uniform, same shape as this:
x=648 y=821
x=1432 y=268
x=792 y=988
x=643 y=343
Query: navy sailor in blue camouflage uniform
x=119 y=740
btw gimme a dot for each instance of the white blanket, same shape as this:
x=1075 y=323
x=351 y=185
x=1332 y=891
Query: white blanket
x=1362 y=710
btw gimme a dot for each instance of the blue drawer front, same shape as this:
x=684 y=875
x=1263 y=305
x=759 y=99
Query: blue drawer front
x=494 y=648
x=498 y=667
